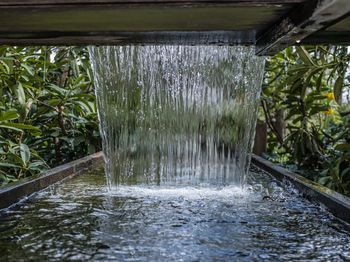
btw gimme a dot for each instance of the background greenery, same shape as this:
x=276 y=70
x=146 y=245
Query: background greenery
x=48 y=111
x=305 y=104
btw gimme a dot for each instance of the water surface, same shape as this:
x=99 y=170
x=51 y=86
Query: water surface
x=81 y=220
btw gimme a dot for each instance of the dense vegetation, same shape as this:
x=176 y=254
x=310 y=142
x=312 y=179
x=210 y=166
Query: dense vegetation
x=47 y=109
x=305 y=104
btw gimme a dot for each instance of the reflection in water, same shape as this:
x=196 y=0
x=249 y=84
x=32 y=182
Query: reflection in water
x=177 y=114
x=81 y=220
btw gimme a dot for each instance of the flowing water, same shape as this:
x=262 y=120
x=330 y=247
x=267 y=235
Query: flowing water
x=83 y=220
x=176 y=124
x=177 y=114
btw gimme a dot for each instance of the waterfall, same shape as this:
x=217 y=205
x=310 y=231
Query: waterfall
x=174 y=115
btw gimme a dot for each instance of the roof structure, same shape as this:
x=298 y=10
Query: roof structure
x=271 y=25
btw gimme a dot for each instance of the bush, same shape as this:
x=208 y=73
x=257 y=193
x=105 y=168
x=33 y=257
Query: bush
x=303 y=106
x=47 y=109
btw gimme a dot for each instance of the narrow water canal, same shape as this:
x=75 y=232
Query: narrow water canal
x=82 y=220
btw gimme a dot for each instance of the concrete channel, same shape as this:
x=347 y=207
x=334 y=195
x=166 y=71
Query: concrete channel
x=337 y=204
x=14 y=192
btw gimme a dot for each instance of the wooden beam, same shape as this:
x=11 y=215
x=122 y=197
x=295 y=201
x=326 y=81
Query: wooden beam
x=270 y=24
x=187 y=2
x=301 y=22
x=221 y=23
x=126 y=38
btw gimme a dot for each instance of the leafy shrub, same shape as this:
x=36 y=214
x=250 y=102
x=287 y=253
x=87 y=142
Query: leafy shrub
x=47 y=109
x=303 y=106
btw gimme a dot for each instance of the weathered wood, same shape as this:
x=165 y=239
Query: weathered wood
x=141 y=18
x=125 y=38
x=271 y=24
x=80 y=2
x=260 y=140
x=219 y=23
x=310 y=17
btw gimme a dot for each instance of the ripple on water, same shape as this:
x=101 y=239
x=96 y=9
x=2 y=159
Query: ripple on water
x=81 y=220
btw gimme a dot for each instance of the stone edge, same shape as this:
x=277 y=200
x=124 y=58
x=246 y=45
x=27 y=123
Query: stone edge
x=336 y=203
x=11 y=194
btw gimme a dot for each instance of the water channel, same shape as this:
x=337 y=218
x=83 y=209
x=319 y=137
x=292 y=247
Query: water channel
x=83 y=220
x=177 y=124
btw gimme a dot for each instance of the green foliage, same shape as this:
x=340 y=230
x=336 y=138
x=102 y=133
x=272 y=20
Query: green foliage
x=47 y=109
x=307 y=84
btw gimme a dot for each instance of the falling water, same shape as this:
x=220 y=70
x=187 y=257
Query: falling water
x=174 y=115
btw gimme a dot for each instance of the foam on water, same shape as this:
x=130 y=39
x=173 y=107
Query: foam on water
x=185 y=193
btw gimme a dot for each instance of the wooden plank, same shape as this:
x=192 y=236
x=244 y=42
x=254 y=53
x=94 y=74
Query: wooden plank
x=106 y=18
x=342 y=26
x=328 y=37
x=140 y=24
x=189 y=2
x=337 y=34
x=310 y=17
x=271 y=24
x=126 y=38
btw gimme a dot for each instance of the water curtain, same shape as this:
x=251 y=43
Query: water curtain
x=174 y=115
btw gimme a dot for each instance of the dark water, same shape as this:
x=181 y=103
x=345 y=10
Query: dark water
x=80 y=220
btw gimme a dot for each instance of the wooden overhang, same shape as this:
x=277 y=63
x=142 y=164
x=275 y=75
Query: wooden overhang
x=271 y=25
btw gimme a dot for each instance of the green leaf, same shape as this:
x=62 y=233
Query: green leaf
x=81 y=77
x=56 y=133
x=20 y=126
x=45 y=109
x=9 y=165
x=345 y=157
x=85 y=104
x=36 y=164
x=323 y=180
x=304 y=55
x=306 y=84
x=20 y=94
x=60 y=91
x=297 y=68
x=31 y=87
x=25 y=77
x=289 y=52
x=343 y=147
x=7 y=58
x=17 y=159
x=25 y=153
x=3 y=179
x=345 y=172
x=87 y=96
x=8 y=115
x=4 y=67
x=91 y=149
x=319 y=81
x=10 y=127
x=29 y=69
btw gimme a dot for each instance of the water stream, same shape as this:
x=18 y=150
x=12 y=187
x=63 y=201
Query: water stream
x=177 y=114
x=177 y=124
x=82 y=220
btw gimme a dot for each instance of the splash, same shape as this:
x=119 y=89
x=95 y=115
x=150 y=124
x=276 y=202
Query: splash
x=174 y=115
